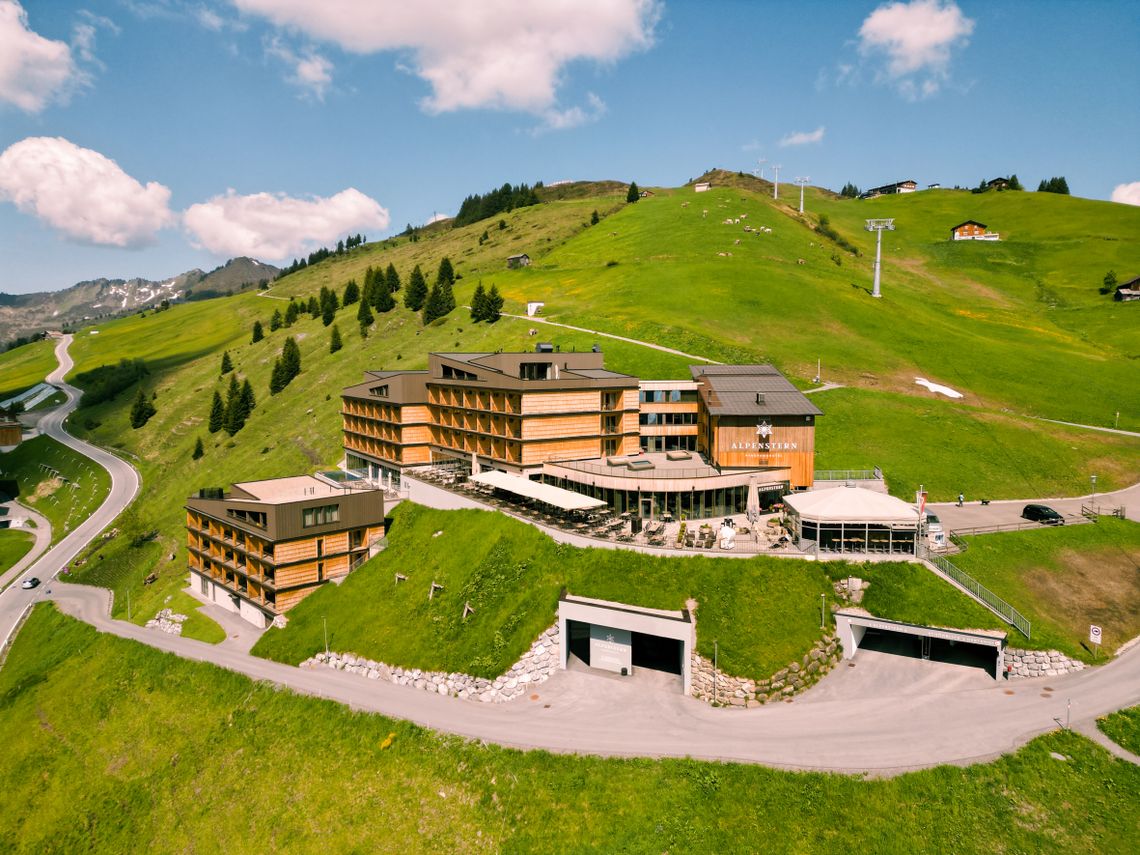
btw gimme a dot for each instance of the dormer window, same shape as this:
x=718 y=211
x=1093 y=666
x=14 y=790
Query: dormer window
x=535 y=371
x=379 y=391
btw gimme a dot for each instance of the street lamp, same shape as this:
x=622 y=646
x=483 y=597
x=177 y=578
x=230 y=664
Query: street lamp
x=1092 y=500
x=879 y=226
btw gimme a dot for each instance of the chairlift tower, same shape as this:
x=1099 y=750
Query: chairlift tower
x=879 y=226
x=776 y=182
x=761 y=163
x=802 y=181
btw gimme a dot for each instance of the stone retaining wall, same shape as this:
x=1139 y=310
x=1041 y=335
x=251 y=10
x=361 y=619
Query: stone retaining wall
x=1039 y=663
x=742 y=692
x=167 y=621
x=535 y=666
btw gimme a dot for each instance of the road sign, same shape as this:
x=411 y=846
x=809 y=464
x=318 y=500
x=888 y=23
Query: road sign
x=1094 y=633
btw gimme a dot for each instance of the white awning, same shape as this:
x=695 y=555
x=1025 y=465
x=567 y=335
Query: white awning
x=851 y=505
x=567 y=500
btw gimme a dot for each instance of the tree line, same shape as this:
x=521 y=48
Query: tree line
x=506 y=198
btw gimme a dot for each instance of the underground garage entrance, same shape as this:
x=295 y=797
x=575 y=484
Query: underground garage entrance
x=622 y=639
x=972 y=648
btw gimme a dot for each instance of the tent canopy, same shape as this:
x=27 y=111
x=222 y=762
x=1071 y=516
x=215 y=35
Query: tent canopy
x=851 y=505
x=567 y=500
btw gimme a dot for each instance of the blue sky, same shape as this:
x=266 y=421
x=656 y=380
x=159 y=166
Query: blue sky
x=146 y=137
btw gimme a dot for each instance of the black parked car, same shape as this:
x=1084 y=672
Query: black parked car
x=1042 y=514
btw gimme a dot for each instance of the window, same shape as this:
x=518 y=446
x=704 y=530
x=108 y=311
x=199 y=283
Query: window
x=667 y=418
x=450 y=373
x=322 y=515
x=320 y=571
x=379 y=391
x=534 y=371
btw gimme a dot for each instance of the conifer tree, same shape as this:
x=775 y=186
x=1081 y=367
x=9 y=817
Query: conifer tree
x=417 y=291
x=494 y=304
x=217 y=413
x=385 y=302
x=291 y=359
x=335 y=342
x=392 y=278
x=351 y=293
x=634 y=194
x=258 y=332
x=446 y=299
x=276 y=321
x=314 y=307
x=364 y=316
x=277 y=378
x=594 y=218
x=141 y=410
x=248 y=401
x=233 y=398
x=291 y=313
x=446 y=272
x=227 y=365
x=433 y=304
x=198 y=450
x=479 y=304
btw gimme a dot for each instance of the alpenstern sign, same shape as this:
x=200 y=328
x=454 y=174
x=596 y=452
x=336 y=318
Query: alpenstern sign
x=764 y=441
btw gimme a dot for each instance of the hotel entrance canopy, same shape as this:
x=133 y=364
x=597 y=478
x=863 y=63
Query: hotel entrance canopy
x=545 y=493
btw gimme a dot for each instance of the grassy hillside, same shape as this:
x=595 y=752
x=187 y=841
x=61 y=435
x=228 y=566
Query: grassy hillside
x=25 y=366
x=238 y=766
x=1064 y=579
x=1123 y=728
x=14 y=545
x=669 y=286
x=68 y=494
x=765 y=612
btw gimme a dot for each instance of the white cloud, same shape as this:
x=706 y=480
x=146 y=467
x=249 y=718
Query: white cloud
x=917 y=39
x=572 y=117
x=502 y=54
x=1127 y=194
x=82 y=193
x=803 y=137
x=34 y=71
x=274 y=226
x=311 y=72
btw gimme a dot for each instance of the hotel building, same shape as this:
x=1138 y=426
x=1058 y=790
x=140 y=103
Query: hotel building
x=261 y=548
x=695 y=448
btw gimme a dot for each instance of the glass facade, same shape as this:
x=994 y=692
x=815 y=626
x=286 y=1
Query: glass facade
x=689 y=504
x=667 y=396
x=669 y=443
x=853 y=537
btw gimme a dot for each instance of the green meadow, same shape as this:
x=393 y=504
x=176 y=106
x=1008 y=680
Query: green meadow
x=111 y=746
x=764 y=611
x=14 y=545
x=24 y=367
x=1123 y=728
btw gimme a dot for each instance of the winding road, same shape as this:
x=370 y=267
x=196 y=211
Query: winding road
x=859 y=718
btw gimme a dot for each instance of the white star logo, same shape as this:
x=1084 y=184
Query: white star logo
x=610 y=638
x=763 y=430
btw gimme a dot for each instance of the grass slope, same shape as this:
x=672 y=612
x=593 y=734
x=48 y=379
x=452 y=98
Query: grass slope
x=1064 y=579
x=64 y=506
x=1123 y=728
x=763 y=611
x=25 y=366
x=239 y=766
x=14 y=545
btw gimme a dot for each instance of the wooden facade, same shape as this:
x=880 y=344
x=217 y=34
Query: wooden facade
x=272 y=553
x=735 y=442
x=11 y=432
x=969 y=230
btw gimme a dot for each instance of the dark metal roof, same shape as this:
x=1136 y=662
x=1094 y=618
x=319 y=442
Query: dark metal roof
x=968 y=223
x=750 y=390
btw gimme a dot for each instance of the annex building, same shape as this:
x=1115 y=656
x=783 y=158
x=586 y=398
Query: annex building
x=702 y=446
x=264 y=546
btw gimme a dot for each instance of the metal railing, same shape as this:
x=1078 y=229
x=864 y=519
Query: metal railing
x=981 y=593
x=875 y=474
x=1070 y=519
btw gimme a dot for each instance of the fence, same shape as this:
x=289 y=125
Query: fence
x=982 y=594
x=1017 y=526
x=1091 y=511
x=875 y=474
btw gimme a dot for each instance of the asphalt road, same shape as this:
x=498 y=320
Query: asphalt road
x=41 y=533
x=14 y=600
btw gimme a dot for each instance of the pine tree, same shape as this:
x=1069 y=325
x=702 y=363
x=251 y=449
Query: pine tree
x=141 y=410
x=291 y=313
x=248 y=401
x=227 y=365
x=275 y=322
x=594 y=218
x=1109 y=282
x=479 y=304
x=351 y=293
x=364 y=315
x=392 y=278
x=233 y=396
x=634 y=194
x=433 y=304
x=217 y=413
x=446 y=272
x=1014 y=183
x=446 y=299
x=494 y=304
x=385 y=302
x=335 y=342
x=277 y=378
x=329 y=304
x=198 y=450
x=314 y=307
x=258 y=332
x=417 y=291
x=291 y=359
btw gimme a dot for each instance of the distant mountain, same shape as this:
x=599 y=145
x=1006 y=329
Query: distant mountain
x=22 y=314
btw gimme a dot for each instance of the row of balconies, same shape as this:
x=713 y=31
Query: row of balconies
x=486 y=401
x=247 y=543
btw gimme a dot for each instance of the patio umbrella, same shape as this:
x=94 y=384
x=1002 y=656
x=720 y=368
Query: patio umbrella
x=474 y=463
x=752 y=511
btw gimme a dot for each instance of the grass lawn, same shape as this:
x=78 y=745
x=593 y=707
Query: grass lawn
x=64 y=505
x=111 y=746
x=949 y=448
x=1064 y=579
x=763 y=611
x=25 y=366
x=14 y=545
x=1123 y=728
